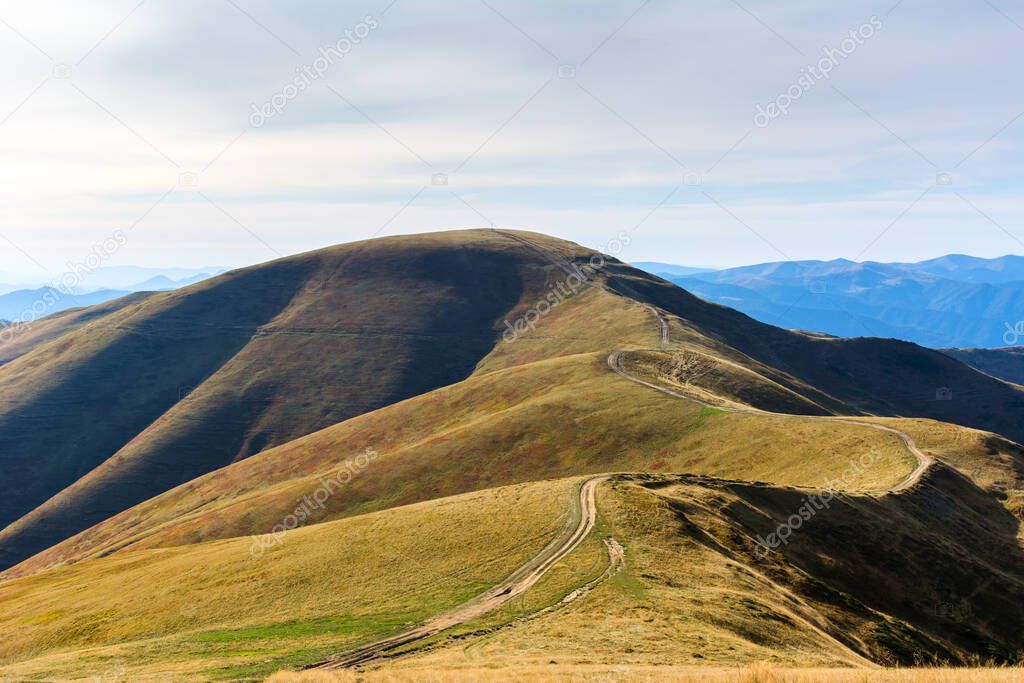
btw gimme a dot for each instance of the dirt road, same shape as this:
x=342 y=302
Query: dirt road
x=583 y=514
x=924 y=461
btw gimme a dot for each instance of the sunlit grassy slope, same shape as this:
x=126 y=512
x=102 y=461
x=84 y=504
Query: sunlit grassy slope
x=552 y=418
x=441 y=406
x=552 y=672
x=934 y=574
x=212 y=611
x=694 y=589
x=166 y=389
x=20 y=338
x=181 y=383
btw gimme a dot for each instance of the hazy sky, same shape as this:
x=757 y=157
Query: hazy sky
x=581 y=119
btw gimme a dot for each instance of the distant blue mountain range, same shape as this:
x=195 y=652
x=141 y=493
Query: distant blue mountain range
x=105 y=284
x=952 y=301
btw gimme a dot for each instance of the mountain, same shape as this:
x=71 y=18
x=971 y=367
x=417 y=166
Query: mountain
x=134 y=278
x=972 y=269
x=664 y=269
x=31 y=304
x=196 y=379
x=371 y=435
x=160 y=283
x=1006 y=364
x=185 y=382
x=948 y=302
x=25 y=305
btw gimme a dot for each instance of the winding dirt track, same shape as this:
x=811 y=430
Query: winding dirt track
x=584 y=513
x=924 y=461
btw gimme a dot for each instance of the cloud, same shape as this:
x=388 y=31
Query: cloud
x=639 y=102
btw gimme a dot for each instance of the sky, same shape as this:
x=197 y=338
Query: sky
x=713 y=133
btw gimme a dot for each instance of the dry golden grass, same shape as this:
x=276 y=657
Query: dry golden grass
x=212 y=610
x=678 y=601
x=591 y=321
x=553 y=418
x=758 y=673
x=164 y=599
x=695 y=589
x=198 y=378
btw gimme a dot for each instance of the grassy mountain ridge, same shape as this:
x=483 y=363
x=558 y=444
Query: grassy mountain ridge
x=261 y=357
x=547 y=419
x=858 y=373
x=468 y=477
x=188 y=381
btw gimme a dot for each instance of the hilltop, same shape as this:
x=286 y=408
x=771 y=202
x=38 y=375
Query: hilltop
x=447 y=418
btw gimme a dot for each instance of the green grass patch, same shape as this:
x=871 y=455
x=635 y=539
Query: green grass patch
x=259 y=671
x=344 y=625
x=626 y=583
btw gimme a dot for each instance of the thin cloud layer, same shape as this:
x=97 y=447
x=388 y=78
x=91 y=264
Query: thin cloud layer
x=574 y=118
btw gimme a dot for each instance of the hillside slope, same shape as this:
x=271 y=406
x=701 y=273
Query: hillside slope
x=1006 y=364
x=921 y=577
x=859 y=373
x=917 y=508
x=932 y=574
x=546 y=419
x=230 y=616
x=17 y=339
x=185 y=382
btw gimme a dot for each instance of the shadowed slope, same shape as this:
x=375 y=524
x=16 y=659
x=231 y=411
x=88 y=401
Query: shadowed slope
x=548 y=418
x=1006 y=364
x=933 y=574
x=343 y=331
x=72 y=402
x=873 y=376
x=185 y=382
